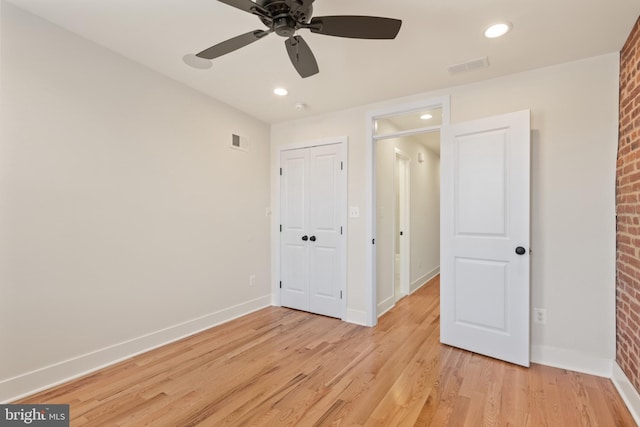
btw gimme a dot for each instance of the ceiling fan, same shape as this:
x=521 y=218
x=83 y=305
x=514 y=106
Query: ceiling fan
x=286 y=17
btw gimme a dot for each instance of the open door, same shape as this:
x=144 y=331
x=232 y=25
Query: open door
x=485 y=173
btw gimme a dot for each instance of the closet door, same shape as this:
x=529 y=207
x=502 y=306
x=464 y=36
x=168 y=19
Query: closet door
x=294 y=239
x=325 y=228
x=313 y=206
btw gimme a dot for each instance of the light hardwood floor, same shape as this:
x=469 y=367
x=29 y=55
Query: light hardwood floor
x=288 y=368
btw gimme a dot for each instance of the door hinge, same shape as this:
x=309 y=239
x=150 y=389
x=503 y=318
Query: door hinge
x=373 y=242
x=341 y=166
x=281 y=228
x=340 y=294
x=341 y=231
x=280 y=285
x=280 y=171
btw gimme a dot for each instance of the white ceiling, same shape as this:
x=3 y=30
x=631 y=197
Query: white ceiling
x=435 y=34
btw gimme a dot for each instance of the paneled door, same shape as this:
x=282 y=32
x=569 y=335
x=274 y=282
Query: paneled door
x=485 y=173
x=312 y=213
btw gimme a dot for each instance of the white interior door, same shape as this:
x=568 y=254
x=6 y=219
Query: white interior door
x=313 y=212
x=294 y=218
x=326 y=215
x=485 y=172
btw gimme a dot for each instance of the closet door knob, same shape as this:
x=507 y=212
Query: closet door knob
x=305 y=238
x=312 y=238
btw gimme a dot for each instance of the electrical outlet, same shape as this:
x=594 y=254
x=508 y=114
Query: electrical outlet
x=252 y=280
x=540 y=315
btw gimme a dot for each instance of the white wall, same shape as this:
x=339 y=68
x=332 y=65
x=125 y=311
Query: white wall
x=385 y=223
x=574 y=123
x=125 y=219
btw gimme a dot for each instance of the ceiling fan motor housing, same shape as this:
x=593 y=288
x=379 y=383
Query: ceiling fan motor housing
x=293 y=11
x=285 y=26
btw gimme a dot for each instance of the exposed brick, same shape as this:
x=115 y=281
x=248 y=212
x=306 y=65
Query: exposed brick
x=628 y=212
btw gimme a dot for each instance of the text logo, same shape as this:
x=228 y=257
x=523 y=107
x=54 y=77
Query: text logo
x=34 y=415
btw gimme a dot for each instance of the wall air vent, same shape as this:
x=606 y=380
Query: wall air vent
x=239 y=142
x=472 y=65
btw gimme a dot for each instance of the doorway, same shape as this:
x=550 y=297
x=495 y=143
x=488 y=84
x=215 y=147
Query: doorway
x=485 y=232
x=407 y=203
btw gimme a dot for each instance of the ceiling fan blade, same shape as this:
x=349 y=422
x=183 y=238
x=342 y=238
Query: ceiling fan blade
x=301 y=56
x=246 y=5
x=356 y=27
x=232 y=44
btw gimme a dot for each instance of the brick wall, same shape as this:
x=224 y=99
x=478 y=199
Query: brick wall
x=628 y=212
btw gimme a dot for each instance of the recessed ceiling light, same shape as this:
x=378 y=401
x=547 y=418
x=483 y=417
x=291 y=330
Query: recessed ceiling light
x=497 y=30
x=426 y=117
x=196 y=62
x=280 y=91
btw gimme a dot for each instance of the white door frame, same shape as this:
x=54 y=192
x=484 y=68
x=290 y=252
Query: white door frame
x=404 y=211
x=276 y=215
x=370 y=214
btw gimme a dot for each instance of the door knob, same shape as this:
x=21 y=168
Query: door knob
x=520 y=250
x=305 y=238
x=312 y=238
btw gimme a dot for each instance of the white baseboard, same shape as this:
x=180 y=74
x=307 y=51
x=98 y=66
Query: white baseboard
x=23 y=385
x=627 y=391
x=571 y=360
x=357 y=317
x=417 y=284
x=386 y=305
x=390 y=302
x=602 y=367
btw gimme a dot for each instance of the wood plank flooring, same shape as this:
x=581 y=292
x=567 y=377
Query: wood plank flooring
x=279 y=367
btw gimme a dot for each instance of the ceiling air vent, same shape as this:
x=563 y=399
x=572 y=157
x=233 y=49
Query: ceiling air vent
x=239 y=142
x=474 y=64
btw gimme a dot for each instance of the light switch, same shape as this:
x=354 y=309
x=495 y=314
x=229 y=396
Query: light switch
x=354 y=212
